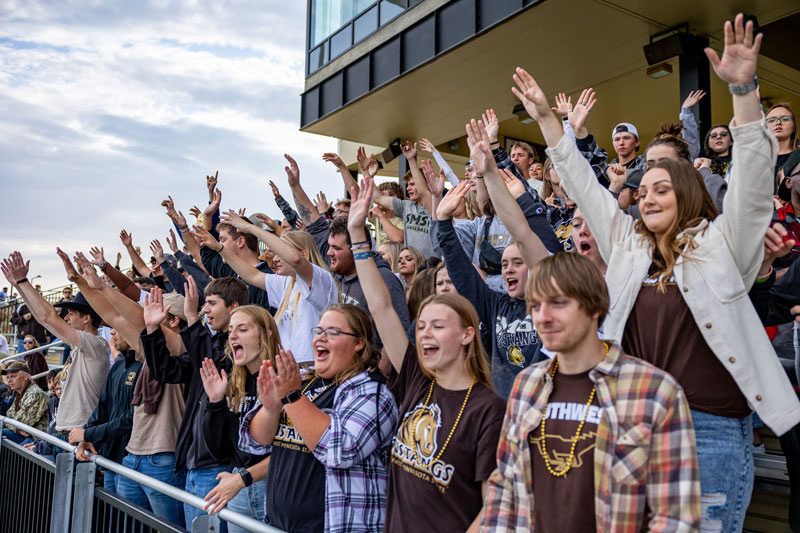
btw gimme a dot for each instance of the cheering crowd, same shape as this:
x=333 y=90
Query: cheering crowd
x=575 y=345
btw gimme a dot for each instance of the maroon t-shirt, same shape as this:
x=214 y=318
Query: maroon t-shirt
x=442 y=495
x=566 y=503
x=662 y=331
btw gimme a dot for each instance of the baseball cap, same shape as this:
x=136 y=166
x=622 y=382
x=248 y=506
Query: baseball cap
x=634 y=178
x=625 y=127
x=175 y=301
x=16 y=366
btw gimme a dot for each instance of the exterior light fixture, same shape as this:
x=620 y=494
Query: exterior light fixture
x=659 y=71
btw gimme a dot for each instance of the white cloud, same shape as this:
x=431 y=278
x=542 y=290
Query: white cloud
x=107 y=108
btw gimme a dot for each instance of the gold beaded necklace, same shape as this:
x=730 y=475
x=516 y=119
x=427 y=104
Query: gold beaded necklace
x=568 y=467
x=455 y=424
x=328 y=386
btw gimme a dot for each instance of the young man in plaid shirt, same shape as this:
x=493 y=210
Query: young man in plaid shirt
x=616 y=449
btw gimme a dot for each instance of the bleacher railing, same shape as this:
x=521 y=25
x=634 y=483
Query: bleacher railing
x=39 y=496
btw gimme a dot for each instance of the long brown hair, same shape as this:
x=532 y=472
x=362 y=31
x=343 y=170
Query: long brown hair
x=359 y=322
x=793 y=138
x=270 y=345
x=670 y=134
x=694 y=205
x=475 y=359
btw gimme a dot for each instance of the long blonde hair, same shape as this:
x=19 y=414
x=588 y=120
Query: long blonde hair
x=300 y=241
x=269 y=343
x=475 y=357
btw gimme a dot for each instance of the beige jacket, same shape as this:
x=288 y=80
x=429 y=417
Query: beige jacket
x=716 y=277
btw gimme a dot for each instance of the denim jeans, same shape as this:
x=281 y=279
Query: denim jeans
x=16 y=438
x=200 y=481
x=161 y=467
x=250 y=501
x=110 y=480
x=725 y=457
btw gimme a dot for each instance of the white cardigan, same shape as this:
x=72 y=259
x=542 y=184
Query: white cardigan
x=715 y=279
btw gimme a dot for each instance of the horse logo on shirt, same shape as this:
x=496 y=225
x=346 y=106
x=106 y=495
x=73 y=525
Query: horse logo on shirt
x=418 y=431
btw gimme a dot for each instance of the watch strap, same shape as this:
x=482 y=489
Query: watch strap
x=740 y=90
x=247 y=479
x=291 y=397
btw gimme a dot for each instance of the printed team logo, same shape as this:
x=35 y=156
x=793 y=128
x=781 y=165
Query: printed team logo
x=131 y=378
x=558 y=460
x=417 y=433
x=515 y=356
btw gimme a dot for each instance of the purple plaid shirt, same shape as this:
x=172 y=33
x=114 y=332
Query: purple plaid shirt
x=354 y=452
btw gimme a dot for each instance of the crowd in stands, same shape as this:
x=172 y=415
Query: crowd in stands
x=577 y=344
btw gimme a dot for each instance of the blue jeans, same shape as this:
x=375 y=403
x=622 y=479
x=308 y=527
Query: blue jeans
x=725 y=457
x=16 y=438
x=161 y=467
x=250 y=501
x=110 y=480
x=200 y=481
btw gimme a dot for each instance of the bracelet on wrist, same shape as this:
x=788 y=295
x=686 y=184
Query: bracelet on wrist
x=183 y=230
x=102 y=263
x=358 y=243
x=362 y=255
x=360 y=247
x=23 y=280
x=761 y=278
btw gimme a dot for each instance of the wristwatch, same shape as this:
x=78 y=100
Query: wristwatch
x=744 y=89
x=247 y=479
x=291 y=397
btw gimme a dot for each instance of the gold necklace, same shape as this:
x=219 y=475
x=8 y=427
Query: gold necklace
x=563 y=472
x=455 y=424
x=328 y=386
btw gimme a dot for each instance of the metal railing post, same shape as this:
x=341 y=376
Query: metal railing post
x=206 y=524
x=62 y=493
x=83 y=499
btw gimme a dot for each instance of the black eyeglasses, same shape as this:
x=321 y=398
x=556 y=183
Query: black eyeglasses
x=331 y=332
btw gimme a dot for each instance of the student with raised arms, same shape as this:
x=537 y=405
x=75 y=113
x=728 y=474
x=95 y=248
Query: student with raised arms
x=444 y=449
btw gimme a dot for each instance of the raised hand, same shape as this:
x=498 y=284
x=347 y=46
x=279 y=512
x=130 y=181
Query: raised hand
x=212 y=207
x=330 y=157
x=740 y=56
x=275 y=191
x=579 y=114
x=236 y=220
x=531 y=95
x=287 y=378
x=215 y=382
x=513 y=184
x=195 y=212
x=267 y=394
x=451 y=201
x=119 y=256
x=617 y=175
x=491 y=124
x=126 y=238
x=359 y=205
x=97 y=256
x=176 y=216
x=427 y=146
x=427 y=170
x=563 y=104
x=172 y=241
x=158 y=251
x=211 y=184
x=409 y=150
x=693 y=98
x=321 y=203
x=277 y=228
x=88 y=272
x=479 y=142
x=364 y=162
x=72 y=272
x=435 y=181
x=190 y=300
x=292 y=171
x=205 y=238
x=702 y=162
x=154 y=311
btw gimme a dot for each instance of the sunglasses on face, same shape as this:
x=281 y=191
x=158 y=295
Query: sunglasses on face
x=27 y=342
x=720 y=135
x=784 y=119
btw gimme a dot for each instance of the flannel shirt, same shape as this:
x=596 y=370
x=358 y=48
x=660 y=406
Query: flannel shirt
x=644 y=454
x=32 y=410
x=354 y=450
x=288 y=213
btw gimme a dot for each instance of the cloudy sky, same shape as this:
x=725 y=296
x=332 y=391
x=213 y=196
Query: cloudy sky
x=108 y=107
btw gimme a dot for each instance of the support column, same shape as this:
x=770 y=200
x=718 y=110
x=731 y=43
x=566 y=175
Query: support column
x=695 y=73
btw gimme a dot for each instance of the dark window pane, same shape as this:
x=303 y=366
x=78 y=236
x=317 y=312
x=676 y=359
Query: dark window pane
x=331 y=94
x=456 y=22
x=311 y=106
x=316 y=58
x=365 y=24
x=418 y=44
x=341 y=41
x=356 y=79
x=386 y=63
x=494 y=11
x=390 y=9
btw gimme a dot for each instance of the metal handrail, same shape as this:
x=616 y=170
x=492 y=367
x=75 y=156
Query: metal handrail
x=44 y=374
x=164 y=488
x=37 y=349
